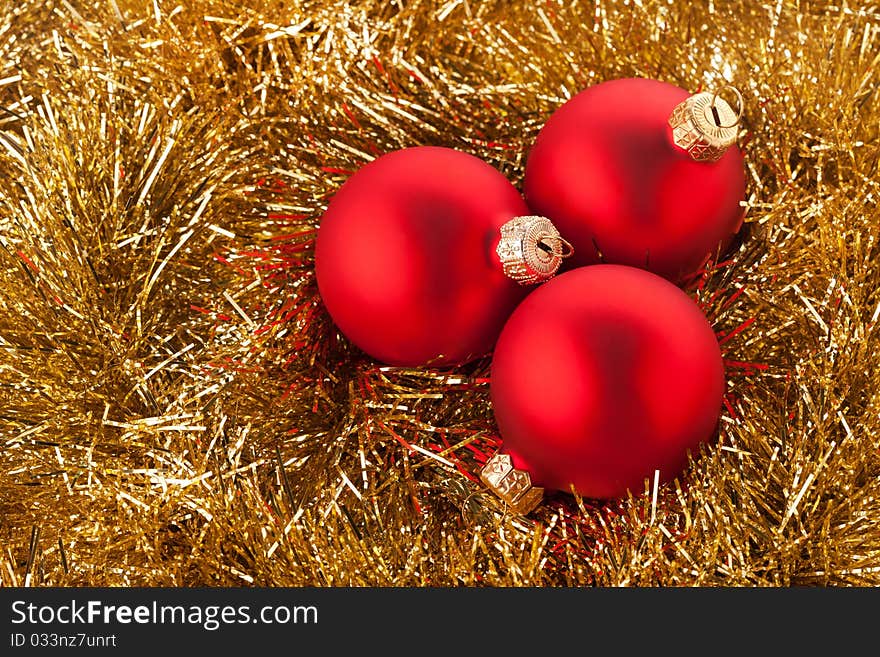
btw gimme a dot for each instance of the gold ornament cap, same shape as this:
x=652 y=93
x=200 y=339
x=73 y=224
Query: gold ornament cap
x=531 y=249
x=705 y=125
x=511 y=485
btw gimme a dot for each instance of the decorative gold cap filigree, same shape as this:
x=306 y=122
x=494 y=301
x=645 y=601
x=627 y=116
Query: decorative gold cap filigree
x=511 y=485
x=531 y=249
x=705 y=125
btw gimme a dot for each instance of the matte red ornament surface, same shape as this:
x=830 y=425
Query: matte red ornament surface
x=405 y=257
x=604 y=375
x=605 y=170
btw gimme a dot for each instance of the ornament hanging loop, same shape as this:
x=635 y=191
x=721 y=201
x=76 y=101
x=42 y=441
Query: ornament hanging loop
x=740 y=105
x=556 y=245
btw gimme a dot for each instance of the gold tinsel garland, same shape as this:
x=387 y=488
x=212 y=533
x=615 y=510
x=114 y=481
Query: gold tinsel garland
x=177 y=409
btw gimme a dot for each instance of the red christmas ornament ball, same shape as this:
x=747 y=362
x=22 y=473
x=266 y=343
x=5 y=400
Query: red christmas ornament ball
x=606 y=171
x=602 y=376
x=405 y=257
